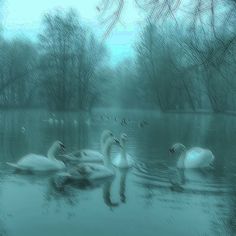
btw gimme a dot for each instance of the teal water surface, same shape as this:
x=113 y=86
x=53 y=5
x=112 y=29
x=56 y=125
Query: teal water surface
x=152 y=198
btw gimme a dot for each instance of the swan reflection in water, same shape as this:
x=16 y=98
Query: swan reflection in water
x=189 y=180
x=67 y=187
x=123 y=179
x=177 y=179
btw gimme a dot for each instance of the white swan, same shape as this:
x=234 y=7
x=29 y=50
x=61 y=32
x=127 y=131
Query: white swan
x=195 y=157
x=88 y=155
x=33 y=162
x=90 y=171
x=123 y=160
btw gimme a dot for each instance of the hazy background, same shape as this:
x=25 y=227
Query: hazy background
x=24 y=18
x=168 y=56
x=160 y=71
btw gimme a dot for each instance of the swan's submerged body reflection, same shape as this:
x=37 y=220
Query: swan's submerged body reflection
x=153 y=196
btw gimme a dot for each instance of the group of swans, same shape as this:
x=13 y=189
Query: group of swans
x=83 y=164
x=91 y=164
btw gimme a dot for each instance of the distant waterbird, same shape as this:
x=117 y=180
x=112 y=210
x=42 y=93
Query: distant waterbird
x=123 y=122
x=49 y=121
x=88 y=122
x=143 y=123
x=22 y=129
x=75 y=122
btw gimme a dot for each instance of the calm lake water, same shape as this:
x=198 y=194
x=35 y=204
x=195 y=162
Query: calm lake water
x=153 y=198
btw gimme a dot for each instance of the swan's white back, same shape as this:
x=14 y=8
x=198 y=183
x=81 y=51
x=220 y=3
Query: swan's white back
x=99 y=172
x=89 y=155
x=85 y=155
x=34 y=162
x=196 y=158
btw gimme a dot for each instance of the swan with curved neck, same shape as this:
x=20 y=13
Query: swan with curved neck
x=34 y=162
x=123 y=159
x=88 y=155
x=195 y=157
x=91 y=171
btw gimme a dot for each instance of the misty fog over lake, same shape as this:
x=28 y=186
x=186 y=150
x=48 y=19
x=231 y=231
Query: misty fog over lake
x=117 y=117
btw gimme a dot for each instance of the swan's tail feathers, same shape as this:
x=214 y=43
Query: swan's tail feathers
x=13 y=165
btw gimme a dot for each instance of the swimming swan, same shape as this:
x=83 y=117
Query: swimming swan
x=123 y=160
x=88 y=155
x=195 y=157
x=33 y=162
x=90 y=171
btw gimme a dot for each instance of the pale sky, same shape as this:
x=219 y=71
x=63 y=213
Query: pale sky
x=23 y=17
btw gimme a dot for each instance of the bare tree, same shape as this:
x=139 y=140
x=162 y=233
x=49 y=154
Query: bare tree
x=160 y=65
x=70 y=56
x=18 y=64
x=212 y=16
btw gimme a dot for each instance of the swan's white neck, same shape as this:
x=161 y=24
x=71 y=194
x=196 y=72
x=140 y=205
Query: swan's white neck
x=51 y=152
x=123 y=149
x=181 y=159
x=107 y=153
x=103 y=141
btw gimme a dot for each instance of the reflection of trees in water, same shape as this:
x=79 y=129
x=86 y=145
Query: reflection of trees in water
x=226 y=171
x=23 y=132
x=68 y=194
x=230 y=222
x=3 y=231
x=13 y=140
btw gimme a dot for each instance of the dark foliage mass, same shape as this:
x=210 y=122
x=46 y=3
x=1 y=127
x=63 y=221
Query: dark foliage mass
x=59 y=72
x=190 y=64
x=184 y=60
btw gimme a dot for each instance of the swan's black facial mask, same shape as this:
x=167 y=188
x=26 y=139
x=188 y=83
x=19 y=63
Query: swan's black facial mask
x=62 y=146
x=117 y=142
x=172 y=150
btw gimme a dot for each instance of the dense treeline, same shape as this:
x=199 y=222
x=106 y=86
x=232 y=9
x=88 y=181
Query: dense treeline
x=67 y=69
x=184 y=72
x=59 y=72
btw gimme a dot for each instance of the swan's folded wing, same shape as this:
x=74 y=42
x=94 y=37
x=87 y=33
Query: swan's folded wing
x=99 y=171
x=88 y=155
x=84 y=155
x=36 y=162
x=198 y=157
